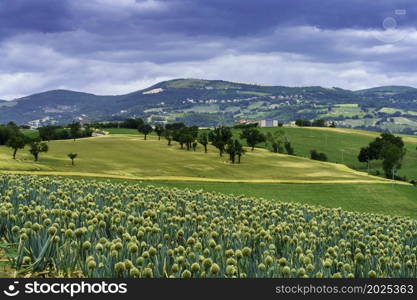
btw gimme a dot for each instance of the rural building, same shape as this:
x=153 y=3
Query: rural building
x=268 y=123
x=35 y=124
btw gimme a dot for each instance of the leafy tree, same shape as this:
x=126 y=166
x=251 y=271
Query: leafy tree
x=318 y=155
x=47 y=133
x=393 y=156
x=289 y=148
x=75 y=128
x=186 y=138
x=369 y=153
x=219 y=137
x=145 y=130
x=50 y=132
x=252 y=136
x=175 y=130
x=365 y=156
x=88 y=130
x=191 y=136
x=239 y=150
x=72 y=156
x=203 y=139
x=37 y=147
x=319 y=123
x=132 y=123
x=186 y=135
x=276 y=140
x=234 y=148
x=383 y=147
x=377 y=146
x=13 y=126
x=231 y=150
x=6 y=132
x=302 y=123
x=159 y=130
x=16 y=142
x=168 y=135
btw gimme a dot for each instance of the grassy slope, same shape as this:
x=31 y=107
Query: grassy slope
x=370 y=198
x=131 y=156
x=112 y=156
x=341 y=145
x=122 y=131
x=338 y=142
x=30 y=133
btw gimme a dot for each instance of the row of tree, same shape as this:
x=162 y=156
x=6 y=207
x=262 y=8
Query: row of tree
x=314 y=123
x=190 y=136
x=71 y=131
x=221 y=138
x=36 y=146
x=8 y=131
x=12 y=137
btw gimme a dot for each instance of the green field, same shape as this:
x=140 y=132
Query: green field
x=127 y=165
x=131 y=156
x=30 y=133
x=367 y=198
x=124 y=155
x=121 y=131
x=343 y=145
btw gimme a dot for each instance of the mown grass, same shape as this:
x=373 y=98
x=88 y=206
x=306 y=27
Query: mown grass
x=131 y=156
x=343 y=146
x=31 y=133
x=340 y=145
x=122 y=131
x=368 y=198
x=128 y=156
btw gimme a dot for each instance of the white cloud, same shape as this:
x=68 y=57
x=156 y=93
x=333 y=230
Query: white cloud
x=122 y=6
x=296 y=56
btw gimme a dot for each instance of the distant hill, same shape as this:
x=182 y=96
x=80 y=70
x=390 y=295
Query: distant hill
x=214 y=102
x=391 y=89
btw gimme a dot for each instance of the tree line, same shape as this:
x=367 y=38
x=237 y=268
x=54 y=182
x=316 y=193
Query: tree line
x=12 y=137
x=73 y=130
x=314 y=123
x=222 y=138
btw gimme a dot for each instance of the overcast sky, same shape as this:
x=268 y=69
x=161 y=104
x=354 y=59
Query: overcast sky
x=119 y=46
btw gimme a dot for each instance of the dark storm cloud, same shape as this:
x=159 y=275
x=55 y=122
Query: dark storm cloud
x=113 y=46
x=18 y=16
x=196 y=17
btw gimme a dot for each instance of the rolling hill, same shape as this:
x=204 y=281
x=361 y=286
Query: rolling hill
x=101 y=156
x=341 y=145
x=389 y=89
x=213 y=102
x=128 y=158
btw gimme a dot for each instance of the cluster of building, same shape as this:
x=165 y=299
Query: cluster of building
x=261 y=123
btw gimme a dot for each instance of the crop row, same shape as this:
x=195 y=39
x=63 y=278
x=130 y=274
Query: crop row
x=99 y=229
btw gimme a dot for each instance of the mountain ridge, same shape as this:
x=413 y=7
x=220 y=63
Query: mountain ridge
x=208 y=81
x=213 y=102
